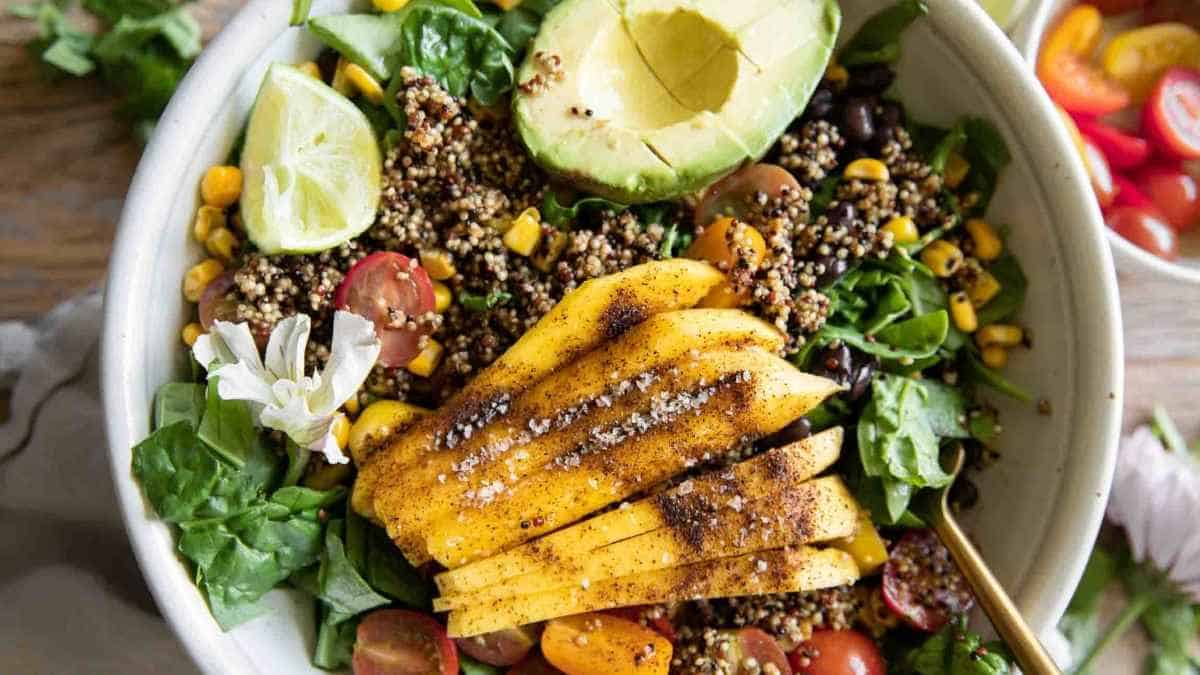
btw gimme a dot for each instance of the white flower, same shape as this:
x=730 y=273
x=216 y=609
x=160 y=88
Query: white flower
x=280 y=395
x=1156 y=498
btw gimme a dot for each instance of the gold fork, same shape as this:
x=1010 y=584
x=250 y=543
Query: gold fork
x=1029 y=653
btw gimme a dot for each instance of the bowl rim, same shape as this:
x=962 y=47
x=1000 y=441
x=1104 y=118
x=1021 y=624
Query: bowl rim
x=156 y=184
x=1028 y=38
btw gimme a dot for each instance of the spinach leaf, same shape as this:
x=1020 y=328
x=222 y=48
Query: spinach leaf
x=975 y=372
x=111 y=11
x=368 y=40
x=465 y=6
x=890 y=305
x=984 y=426
x=298 y=458
x=341 y=586
x=520 y=24
x=382 y=565
x=335 y=641
x=878 y=40
x=228 y=427
x=945 y=410
x=955 y=650
x=1011 y=297
x=987 y=153
x=179 y=402
x=563 y=217
x=919 y=337
x=462 y=53
x=178 y=473
x=822 y=195
x=473 y=302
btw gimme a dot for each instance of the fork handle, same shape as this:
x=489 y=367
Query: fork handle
x=1031 y=656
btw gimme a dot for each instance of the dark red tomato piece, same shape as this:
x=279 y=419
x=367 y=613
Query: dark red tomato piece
x=1122 y=150
x=501 y=648
x=1099 y=173
x=659 y=623
x=756 y=644
x=385 y=287
x=214 y=306
x=1174 y=192
x=1110 y=7
x=534 y=664
x=400 y=642
x=1183 y=11
x=1129 y=194
x=731 y=195
x=1171 y=116
x=921 y=583
x=1145 y=228
x=838 y=652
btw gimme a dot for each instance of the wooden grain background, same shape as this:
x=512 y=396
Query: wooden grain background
x=66 y=160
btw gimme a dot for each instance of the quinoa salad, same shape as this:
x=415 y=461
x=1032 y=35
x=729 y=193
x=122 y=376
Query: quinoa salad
x=593 y=336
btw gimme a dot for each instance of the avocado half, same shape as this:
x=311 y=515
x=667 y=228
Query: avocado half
x=644 y=100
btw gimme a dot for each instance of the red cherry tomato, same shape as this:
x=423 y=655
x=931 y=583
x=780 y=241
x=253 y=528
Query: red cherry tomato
x=755 y=643
x=380 y=285
x=400 y=642
x=1171 y=116
x=921 y=583
x=213 y=304
x=659 y=624
x=1147 y=229
x=1110 y=7
x=838 y=652
x=730 y=195
x=1099 y=173
x=534 y=664
x=1183 y=11
x=1129 y=194
x=1065 y=69
x=1175 y=193
x=1122 y=150
x=500 y=648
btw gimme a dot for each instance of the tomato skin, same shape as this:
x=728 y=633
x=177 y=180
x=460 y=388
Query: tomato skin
x=1065 y=70
x=661 y=624
x=838 y=652
x=500 y=648
x=402 y=642
x=1138 y=57
x=1122 y=150
x=1175 y=193
x=1171 y=116
x=921 y=583
x=754 y=642
x=728 y=196
x=1147 y=229
x=383 y=281
x=1110 y=7
x=1100 y=174
x=1128 y=194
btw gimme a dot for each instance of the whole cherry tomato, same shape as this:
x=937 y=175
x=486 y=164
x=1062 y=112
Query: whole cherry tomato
x=1174 y=192
x=1171 y=116
x=1147 y=229
x=1065 y=69
x=838 y=652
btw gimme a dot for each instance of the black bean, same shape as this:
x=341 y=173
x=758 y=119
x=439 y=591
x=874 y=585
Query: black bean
x=871 y=79
x=798 y=430
x=842 y=213
x=834 y=266
x=891 y=113
x=820 y=105
x=858 y=122
x=861 y=380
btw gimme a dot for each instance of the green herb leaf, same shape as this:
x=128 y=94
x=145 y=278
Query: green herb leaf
x=473 y=302
x=953 y=140
x=1011 y=298
x=878 y=41
x=563 y=217
x=973 y=370
x=955 y=650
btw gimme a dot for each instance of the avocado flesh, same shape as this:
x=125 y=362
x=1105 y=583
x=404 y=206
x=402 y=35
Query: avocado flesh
x=680 y=92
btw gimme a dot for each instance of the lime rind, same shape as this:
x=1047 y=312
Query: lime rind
x=312 y=166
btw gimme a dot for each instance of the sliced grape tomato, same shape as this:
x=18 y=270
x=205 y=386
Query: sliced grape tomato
x=402 y=642
x=390 y=289
x=838 y=652
x=1174 y=192
x=499 y=648
x=1147 y=229
x=731 y=195
x=1122 y=149
x=1171 y=116
x=921 y=583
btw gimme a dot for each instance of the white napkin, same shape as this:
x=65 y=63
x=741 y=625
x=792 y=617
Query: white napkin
x=72 y=599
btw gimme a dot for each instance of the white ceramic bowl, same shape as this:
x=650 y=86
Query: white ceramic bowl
x=1028 y=37
x=1041 y=505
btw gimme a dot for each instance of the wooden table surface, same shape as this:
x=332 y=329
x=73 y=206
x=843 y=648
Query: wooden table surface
x=66 y=160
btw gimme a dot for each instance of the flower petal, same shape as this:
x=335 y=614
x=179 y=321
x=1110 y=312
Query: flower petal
x=237 y=382
x=294 y=418
x=328 y=446
x=353 y=354
x=285 y=349
x=237 y=345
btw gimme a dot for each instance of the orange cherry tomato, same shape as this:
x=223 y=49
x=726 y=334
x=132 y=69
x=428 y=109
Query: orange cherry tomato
x=602 y=644
x=1065 y=70
x=1137 y=58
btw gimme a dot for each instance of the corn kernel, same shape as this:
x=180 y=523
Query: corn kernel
x=351 y=405
x=341 y=430
x=983 y=287
x=427 y=361
x=310 y=68
x=325 y=476
x=942 y=257
x=441 y=297
x=222 y=244
x=191 y=333
x=963 y=312
x=994 y=357
x=368 y=86
x=526 y=229
x=545 y=258
x=221 y=186
x=438 y=264
x=999 y=335
x=867 y=169
x=199 y=277
x=903 y=229
x=837 y=75
x=378 y=421
x=389 y=5
x=988 y=245
x=507 y=4
x=341 y=83
x=956 y=170
x=208 y=218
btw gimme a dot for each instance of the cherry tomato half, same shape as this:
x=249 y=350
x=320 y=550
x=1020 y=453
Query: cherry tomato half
x=1066 y=72
x=213 y=304
x=1122 y=150
x=1147 y=229
x=838 y=652
x=1137 y=58
x=755 y=643
x=1129 y=194
x=380 y=286
x=661 y=624
x=731 y=195
x=1110 y=7
x=400 y=642
x=1183 y=11
x=1171 y=117
x=1175 y=193
x=500 y=648
x=1099 y=173
x=921 y=583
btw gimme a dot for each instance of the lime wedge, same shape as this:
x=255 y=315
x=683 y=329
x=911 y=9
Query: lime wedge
x=311 y=164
